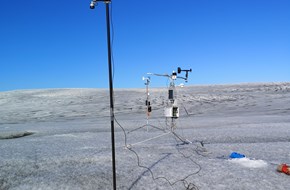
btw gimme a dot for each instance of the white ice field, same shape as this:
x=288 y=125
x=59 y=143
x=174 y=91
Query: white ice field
x=60 y=139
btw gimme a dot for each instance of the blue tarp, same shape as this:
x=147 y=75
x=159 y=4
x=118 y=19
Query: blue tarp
x=237 y=155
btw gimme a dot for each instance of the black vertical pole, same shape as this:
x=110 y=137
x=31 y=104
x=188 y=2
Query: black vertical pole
x=111 y=94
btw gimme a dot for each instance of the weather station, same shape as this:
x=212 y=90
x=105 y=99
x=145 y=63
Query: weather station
x=171 y=111
x=148 y=108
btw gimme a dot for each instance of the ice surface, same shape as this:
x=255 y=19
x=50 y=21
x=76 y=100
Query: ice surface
x=249 y=163
x=69 y=146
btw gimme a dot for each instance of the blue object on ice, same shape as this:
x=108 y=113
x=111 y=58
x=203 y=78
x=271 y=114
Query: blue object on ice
x=237 y=155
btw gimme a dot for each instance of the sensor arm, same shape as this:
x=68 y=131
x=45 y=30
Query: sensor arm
x=161 y=75
x=179 y=70
x=182 y=78
x=95 y=2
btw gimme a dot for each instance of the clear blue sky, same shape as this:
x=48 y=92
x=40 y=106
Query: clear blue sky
x=62 y=44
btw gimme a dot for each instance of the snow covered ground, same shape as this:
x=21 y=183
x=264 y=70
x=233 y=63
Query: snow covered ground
x=60 y=138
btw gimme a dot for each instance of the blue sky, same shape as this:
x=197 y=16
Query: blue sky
x=62 y=44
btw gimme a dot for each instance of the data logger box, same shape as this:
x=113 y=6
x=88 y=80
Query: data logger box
x=172 y=112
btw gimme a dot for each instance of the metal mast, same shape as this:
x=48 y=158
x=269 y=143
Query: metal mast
x=112 y=117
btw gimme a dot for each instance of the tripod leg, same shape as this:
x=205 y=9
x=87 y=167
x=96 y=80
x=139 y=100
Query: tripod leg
x=156 y=127
x=136 y=129
x=173 y=126
x=147 y=125
x=185 y=141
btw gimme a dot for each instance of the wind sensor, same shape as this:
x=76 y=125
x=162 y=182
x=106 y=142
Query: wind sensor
x=179 y=70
